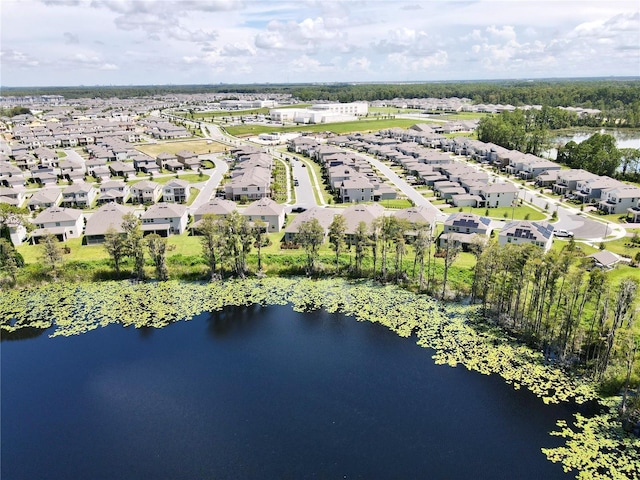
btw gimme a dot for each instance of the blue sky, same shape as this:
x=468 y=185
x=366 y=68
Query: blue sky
x=134 y=42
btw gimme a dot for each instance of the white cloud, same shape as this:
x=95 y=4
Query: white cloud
x=359 y=64
x=170 y=41
x=18 y=59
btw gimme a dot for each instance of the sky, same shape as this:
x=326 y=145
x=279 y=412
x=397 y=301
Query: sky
x=160 y=42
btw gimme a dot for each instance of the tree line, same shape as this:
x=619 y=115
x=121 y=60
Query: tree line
x=616 y=95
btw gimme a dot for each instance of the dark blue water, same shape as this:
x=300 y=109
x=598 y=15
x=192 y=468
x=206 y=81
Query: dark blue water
x=260 y=393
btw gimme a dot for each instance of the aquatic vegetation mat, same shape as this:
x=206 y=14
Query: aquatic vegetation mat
x=455 y=333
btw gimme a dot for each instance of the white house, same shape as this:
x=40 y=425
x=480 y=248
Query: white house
x=165 y=219
x=619 y=199
x=499 y=194
x=79 y=195
x=176 y=191
x=62 y=222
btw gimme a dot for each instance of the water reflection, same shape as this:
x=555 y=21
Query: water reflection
x=233 y=320
x=24 y=333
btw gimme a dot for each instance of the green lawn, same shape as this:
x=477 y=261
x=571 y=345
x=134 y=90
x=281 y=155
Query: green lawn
x=518 y=213
x=364 y=125
x=189 y=177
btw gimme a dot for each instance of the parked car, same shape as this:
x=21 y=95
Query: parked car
x=562 y=233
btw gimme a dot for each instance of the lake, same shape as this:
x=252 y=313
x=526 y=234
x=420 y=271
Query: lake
x=261 y=392
x=624 y=139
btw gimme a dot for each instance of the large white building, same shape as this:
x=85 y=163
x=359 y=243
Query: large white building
x=321 y=113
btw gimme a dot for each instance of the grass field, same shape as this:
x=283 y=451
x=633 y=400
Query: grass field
x=196 y=146
x=518 y=213
x=189 y=177
x=364 y=125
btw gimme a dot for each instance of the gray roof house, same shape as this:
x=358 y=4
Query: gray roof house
x=323 y=215
x=109 y=215
x=518 y=232
x=165 y=219
x=268 y=211
x=64 y=223
x=47 y=197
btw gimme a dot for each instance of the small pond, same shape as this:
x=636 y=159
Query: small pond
x=261 y=393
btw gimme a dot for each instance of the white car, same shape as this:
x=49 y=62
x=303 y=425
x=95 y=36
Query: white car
x=562 y=233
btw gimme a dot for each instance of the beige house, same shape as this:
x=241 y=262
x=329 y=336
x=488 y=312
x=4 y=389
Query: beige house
x=146 y=191
x=267 y=211
x=176 y=191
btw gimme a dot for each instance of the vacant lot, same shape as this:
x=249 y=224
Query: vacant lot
x=196 y=146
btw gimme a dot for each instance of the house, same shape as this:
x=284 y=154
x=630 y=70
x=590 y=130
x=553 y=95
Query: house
x=17 y=231
x=45 y=198
x=633 y=213
x=12 y=196
x=188 y=159
x=165 y=219
x=217 y=206
x=355 y=214
x=108 y=216
x=501 y=194
x=176 y=191
x=250 y=184
x=567 y=180
x=356 y=189
x=605 y=259
x=519 y=232
x=418 y=215
x=64 y=223
x=145 y=191
x=593 y=188
x=146 y=164
x=114 y=191
x=268 y=211
x=323 y=215
x=165 y=157
x=79 y=195
x=619 y=199
x=122 y=169
x=464 y=229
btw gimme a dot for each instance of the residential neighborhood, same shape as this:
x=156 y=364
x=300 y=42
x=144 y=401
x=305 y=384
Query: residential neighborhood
x=103 y=167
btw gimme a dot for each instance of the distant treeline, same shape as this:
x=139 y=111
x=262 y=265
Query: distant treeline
x=602 y=94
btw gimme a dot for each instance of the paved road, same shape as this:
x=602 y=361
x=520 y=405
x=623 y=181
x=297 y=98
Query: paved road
x=208 y=188
x=73 y=156
x=404 y=187
x=304 y=191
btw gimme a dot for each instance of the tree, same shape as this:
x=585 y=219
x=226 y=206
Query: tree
x=399 y=240
x=361 y=242
x=212 y=241
x=259 y=232
x=51 y=253
x=134 y=243
x=9 y=259
x=237 y=243
x=450 y=254
x=158 y=248
x=311 y=236
x=115 y=245
x=421 y=244
x=337 y=231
